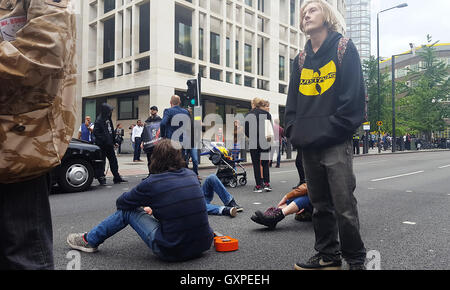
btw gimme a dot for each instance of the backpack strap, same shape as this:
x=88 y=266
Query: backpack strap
x=342 y=47
x=301 y=60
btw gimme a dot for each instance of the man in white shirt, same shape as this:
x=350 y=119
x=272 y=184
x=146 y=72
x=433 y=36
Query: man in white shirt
x=86 y=129
x=136 y=138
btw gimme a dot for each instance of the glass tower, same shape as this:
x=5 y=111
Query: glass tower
x=358 y=25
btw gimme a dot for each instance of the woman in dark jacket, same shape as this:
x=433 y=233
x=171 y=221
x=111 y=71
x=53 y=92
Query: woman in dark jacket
x=259 y=146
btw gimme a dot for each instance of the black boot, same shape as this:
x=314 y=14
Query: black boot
x=270 y=218
x=119 y=179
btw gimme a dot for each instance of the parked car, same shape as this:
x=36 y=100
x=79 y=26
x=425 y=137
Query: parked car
x=82 y=163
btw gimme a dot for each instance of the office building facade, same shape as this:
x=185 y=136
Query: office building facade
x=138 y=53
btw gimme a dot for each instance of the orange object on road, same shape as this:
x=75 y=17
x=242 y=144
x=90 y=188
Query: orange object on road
x=225 y=243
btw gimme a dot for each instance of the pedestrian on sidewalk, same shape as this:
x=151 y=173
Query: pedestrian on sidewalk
x=105 y=138
x=295 y=202
x=86 y=129
x=260 y=153
x=175 y=111
x=37 y=121
x=137 y=140
x=279 y=133
x=167 y=210
x=322 y=113
x=119 y=138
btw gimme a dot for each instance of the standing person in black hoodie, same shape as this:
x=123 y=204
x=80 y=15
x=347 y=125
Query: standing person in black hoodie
x=260 y=153
x=325 y=105
x=105 y=138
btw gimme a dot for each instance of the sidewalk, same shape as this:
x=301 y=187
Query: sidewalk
x=129 y=168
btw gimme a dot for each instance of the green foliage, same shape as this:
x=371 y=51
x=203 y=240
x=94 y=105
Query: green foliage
x=421 y=110
x=418 y=105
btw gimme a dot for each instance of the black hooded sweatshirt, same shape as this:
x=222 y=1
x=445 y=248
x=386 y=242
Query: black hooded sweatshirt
x=103 y=127
x=325 y=104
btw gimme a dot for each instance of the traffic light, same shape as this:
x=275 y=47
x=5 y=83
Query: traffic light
x=193 y=92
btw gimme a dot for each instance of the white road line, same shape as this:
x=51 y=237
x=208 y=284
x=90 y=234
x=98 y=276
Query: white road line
x=409 y=223
x=395 y=176
x=279 y=172
x=440 y=167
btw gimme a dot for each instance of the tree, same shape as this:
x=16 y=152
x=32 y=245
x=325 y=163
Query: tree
x=421 y=109
x=378 y=105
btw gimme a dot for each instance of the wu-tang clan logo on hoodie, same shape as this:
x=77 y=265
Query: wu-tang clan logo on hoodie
x=314 y=83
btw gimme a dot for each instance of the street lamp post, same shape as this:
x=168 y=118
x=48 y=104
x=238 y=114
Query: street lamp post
x=378 y=62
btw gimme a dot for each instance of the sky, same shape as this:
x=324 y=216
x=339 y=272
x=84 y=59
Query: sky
x=401 y=26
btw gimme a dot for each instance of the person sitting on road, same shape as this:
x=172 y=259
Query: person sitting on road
x=296 y=201
x=213 y=184
x=178 y=230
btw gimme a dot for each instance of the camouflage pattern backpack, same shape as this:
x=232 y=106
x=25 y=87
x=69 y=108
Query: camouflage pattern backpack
x=37 y=86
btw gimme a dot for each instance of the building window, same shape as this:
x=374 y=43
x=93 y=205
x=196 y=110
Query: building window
x=200 y=43
x=109 y=40
x=144 y=27
x=128 y=108
x=183 y=31
x=107 y=72
x=143 y=64
x=248 y=58
x=248 y=81
x=109 y=5
x=281 y=68
x=215 y=48
x=184 y=67
x=215 y=74
x=237 y=55
x=228 y=53
x=292 y=14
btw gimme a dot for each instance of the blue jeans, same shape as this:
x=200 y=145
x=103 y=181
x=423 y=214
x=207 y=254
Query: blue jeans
x=144 y=224
x=302 y=202
x=192 y=153
x=212 y=184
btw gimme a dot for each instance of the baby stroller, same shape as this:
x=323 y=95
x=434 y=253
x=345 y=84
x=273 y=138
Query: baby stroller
x=229 y=170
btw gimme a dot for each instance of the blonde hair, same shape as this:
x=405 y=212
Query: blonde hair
x=258 y=103
x=330 y=20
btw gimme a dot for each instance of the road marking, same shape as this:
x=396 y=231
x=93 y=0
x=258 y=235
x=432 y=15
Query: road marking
x=278 y=172
x=257 y=203
x=396 y=176
x=440 y=167
x=409 y=223
x=409 y=191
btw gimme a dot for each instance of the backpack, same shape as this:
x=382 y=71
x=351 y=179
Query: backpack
x=342 y=47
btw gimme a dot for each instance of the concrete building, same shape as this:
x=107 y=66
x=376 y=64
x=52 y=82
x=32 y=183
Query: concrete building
x=357 y=18
x=138 y=53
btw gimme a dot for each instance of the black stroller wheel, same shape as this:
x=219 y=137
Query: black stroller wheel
x=242 y=181
x=233 y=183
